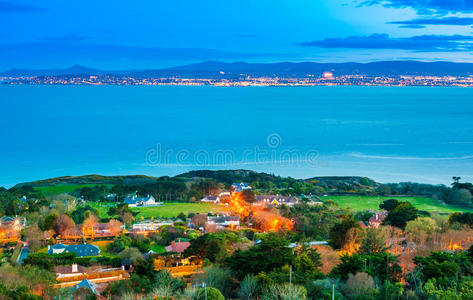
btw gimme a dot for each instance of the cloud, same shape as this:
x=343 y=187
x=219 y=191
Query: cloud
x=412 y=26
x=434 y=21
x=427 y=6
x=421 y=43
x=9 y=7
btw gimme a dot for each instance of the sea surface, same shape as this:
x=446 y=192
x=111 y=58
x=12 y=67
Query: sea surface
x=390 y=134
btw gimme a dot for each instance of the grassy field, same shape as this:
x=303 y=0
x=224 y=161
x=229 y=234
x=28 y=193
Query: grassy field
x=60 y=189
x=169 y=210
x=358 y=203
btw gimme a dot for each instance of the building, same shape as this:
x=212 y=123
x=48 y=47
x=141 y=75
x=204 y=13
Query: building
x=150 y=225
x=68 y=271
x=135 y=201
x=276 y=200
x=210 y=199
x=80 y=250
x=56 y=249
x=178 y=247
x=240 y=187
x=225 y=221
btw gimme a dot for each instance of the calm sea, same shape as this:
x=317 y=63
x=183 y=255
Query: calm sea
x=388 y=134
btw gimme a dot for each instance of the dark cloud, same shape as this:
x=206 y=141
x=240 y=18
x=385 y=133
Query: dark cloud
x=421 y=43
x=427 y=6
x=9 y=7
x=435 y=21
x=412 y=26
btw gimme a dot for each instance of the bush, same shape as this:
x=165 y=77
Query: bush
x=285 y=291
x=360 y=285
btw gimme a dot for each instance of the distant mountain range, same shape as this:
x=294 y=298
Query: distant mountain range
x=215 y=69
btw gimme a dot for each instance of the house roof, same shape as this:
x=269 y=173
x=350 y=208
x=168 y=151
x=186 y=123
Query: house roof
x=68 y=269
x=58 y=246
x=178 y=247
x=86 y=284
x=83 y=250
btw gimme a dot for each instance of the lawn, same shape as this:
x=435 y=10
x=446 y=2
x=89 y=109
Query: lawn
x=170 y=210
x=358 y=203
x=167 y=210
x=60 y=189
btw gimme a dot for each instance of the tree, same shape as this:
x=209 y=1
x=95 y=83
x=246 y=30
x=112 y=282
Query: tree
x=272 y=253
x=115 y=227
x=285 y=291
x=219 y=278
x=65 y=226
x=88 y=228
x=131 y=254
x=339 y=231
x=208 y=293
x=199 y=220
x=127 y=218
x=389 y=204
x=460 y=197
x=248 y=288
x=48 y=222
x=360 y=284
x=374 y=240
x=401 y=214
x=120 y=243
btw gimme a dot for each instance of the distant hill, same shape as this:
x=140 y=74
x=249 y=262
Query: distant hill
x=216 y=69
x=73 y=70
x=90 y=179
x=230 y=176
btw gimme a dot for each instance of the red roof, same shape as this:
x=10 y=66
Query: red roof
x=178 y=247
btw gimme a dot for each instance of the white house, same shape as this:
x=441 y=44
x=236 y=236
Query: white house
x=135 y=201
x=210 y=199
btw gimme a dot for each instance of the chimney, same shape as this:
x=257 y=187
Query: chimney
x=75 y=268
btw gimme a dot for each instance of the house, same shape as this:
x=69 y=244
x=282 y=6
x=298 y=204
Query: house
x=240 y=187
x=210 y=199
x=378 y=218
x=225 y=221
x=150 y=225
x=80 y=250
x=67 y=271
x=56 y=249
x=178 y=247
x=276 y=200
x=135 y=201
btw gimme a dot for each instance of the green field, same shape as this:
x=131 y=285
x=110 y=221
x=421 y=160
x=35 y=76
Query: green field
x=170 y=210
x=359 y=203
x=167 y=210
x=60 y=189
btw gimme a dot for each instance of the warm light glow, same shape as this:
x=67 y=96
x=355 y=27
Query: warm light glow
x=263 y=218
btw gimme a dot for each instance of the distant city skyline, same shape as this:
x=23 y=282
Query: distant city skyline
x=155 y=34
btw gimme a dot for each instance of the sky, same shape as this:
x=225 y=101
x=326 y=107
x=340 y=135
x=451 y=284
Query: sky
x=147 y=34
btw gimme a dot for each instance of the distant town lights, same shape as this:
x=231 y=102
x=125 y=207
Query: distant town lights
x=328 y=75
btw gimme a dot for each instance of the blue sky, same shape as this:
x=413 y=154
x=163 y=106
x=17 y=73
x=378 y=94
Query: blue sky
x=145 y=34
